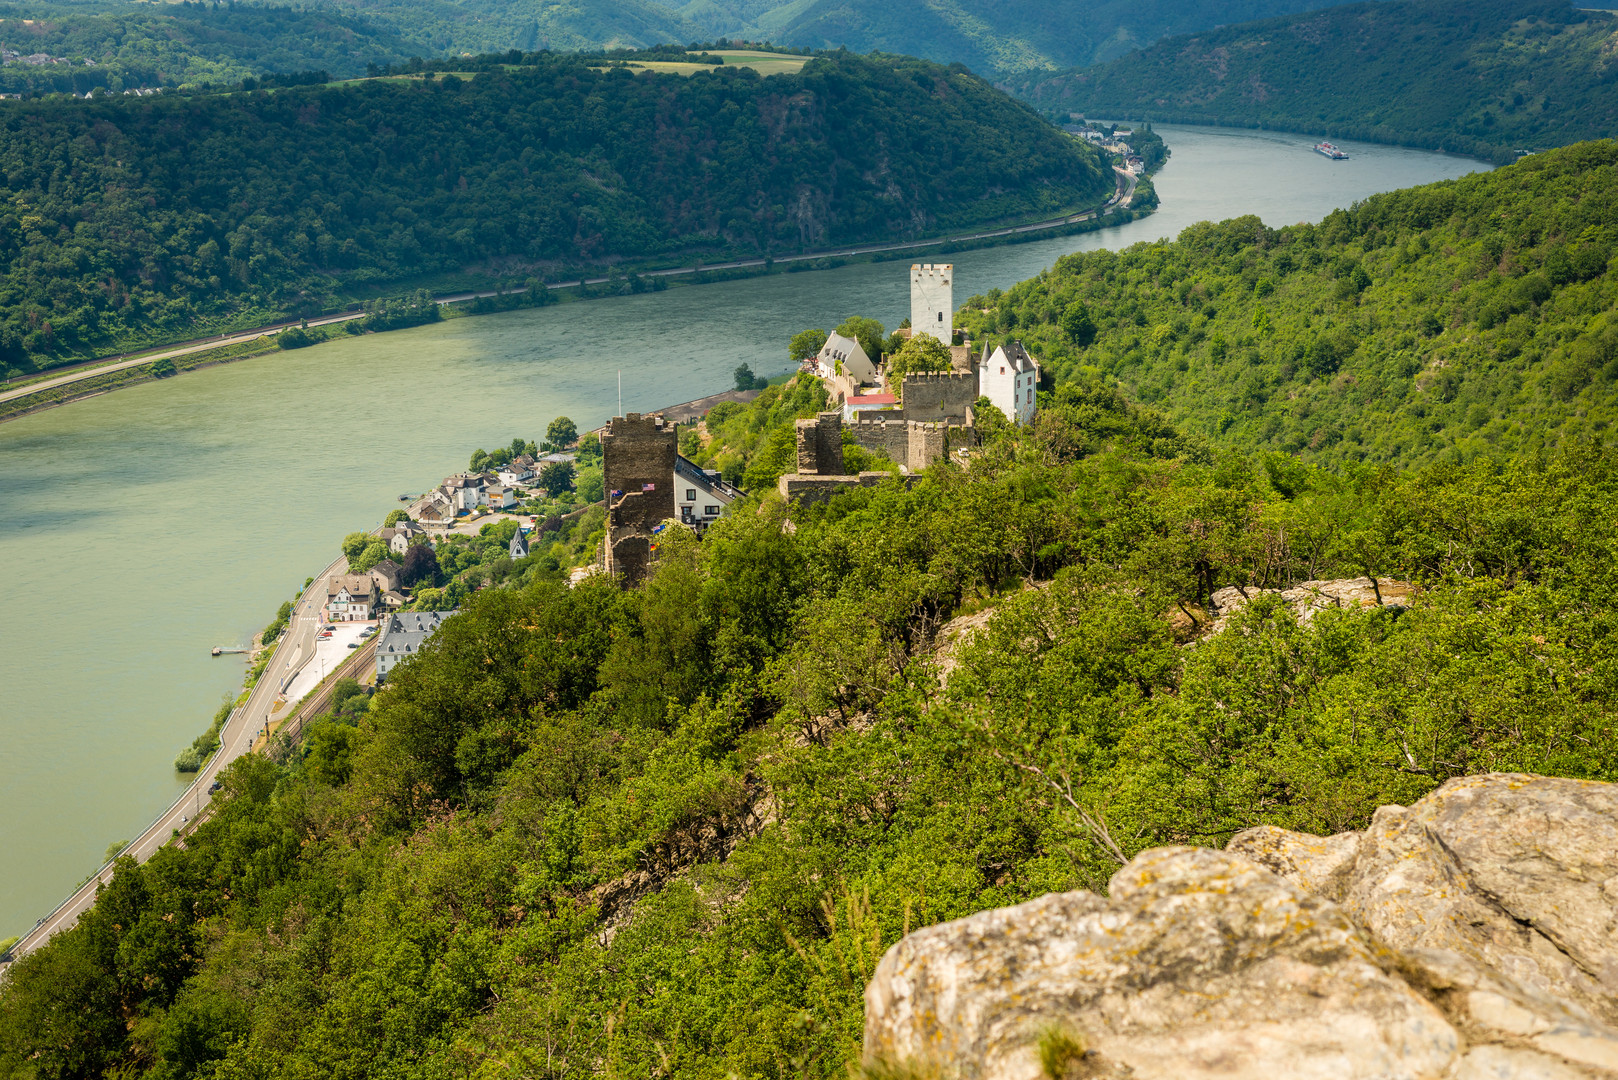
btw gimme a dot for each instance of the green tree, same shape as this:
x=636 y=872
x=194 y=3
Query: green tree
x=561 y=432
x=556 y=477
x=373 y=553
x=1077 y=324
x=804 y=344
x=921 y=353
x=868 y=332
x=355 y=543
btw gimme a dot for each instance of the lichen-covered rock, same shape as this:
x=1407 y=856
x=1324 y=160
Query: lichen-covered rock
x=1199 y=964
x=1322 y=865
x=1517 y=873
x=1472 y=936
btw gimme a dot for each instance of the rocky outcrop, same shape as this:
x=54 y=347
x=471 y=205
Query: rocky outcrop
x=1315 y=596
x=1472 y=935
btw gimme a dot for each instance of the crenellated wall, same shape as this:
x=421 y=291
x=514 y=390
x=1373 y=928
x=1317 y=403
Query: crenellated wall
x=946 y=396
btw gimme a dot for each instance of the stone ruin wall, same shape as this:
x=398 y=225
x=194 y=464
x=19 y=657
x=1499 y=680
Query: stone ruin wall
x=636 y=450
x=820 y=445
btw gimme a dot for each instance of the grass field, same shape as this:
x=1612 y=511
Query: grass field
x=764 y=63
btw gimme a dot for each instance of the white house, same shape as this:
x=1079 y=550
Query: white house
x=401 y=536
x=932 y=300
x=403 y=634
x=351 y=598
x=464 y=491
x=843 y=354
x=1008 y=377
x=513 y=474
x=498 y=497
x=700 y=495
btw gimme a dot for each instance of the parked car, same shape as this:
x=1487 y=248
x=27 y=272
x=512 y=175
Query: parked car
x=353 y=644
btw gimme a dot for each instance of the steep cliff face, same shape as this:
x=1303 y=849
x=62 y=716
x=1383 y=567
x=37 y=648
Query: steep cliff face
x=1473 y=935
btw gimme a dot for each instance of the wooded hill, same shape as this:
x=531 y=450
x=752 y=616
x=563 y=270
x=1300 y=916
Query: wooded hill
x=1487 y=78
x=130 y=220
x=1441 y=323
x=143 y=46
x=190 y=43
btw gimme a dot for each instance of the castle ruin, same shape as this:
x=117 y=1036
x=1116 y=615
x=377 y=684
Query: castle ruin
x=637 y=465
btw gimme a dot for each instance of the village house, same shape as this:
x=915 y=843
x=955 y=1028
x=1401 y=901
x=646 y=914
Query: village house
x=351 y=598
x=435 y=510
x=387 y=574
x=519 y=470
x=1008 y=377
x=700 y=494
x=401 y=536
x=464 y=491
x=519 y=545
x=403 y=634
x=843 y=356
x=498 y=497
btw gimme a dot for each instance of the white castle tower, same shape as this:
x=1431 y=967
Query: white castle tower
x=932 y=300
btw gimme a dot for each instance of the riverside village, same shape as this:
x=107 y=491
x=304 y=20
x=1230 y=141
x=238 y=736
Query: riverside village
x=896 y=411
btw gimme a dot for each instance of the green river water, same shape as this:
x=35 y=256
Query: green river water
x=143 y=527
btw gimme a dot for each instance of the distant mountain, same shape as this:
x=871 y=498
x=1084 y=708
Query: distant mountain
x=74 y=48
x=190 y=43
x=1484 y=78
x=437 y=27
x=993 y=37
x=999 y=37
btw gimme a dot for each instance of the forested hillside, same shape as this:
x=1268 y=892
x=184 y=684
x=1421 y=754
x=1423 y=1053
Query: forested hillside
x=1442 y=323
x=128 y=220
x=117 y=46
x=142 y=44
x=1486 y=78
x=669 y=832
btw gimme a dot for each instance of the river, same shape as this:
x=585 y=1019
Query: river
x=144 y=527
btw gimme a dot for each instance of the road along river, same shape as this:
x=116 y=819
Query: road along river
x=144 y=527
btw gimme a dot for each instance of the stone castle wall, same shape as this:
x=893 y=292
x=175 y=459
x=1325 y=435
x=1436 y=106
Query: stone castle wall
x=636 y=451
x=820 y=445
x=933 y=396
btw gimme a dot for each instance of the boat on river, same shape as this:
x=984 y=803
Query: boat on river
x=1330 y=151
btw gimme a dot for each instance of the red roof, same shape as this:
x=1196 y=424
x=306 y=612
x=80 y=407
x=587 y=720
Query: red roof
x=875 y=399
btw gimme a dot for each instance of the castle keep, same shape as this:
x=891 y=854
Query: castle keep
x=637 y=464
x=932 y=300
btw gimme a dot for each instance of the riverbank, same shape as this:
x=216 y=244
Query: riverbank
x=93 y=378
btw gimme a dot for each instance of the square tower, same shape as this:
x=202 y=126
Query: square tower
x=932 y=300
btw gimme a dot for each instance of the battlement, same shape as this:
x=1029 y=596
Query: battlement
x=940 y=271
x=939 y=376
x=940 y=395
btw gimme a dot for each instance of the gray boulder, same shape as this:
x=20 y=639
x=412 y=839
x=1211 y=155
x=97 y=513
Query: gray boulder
x=1199 y=964
x=1473 y=935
